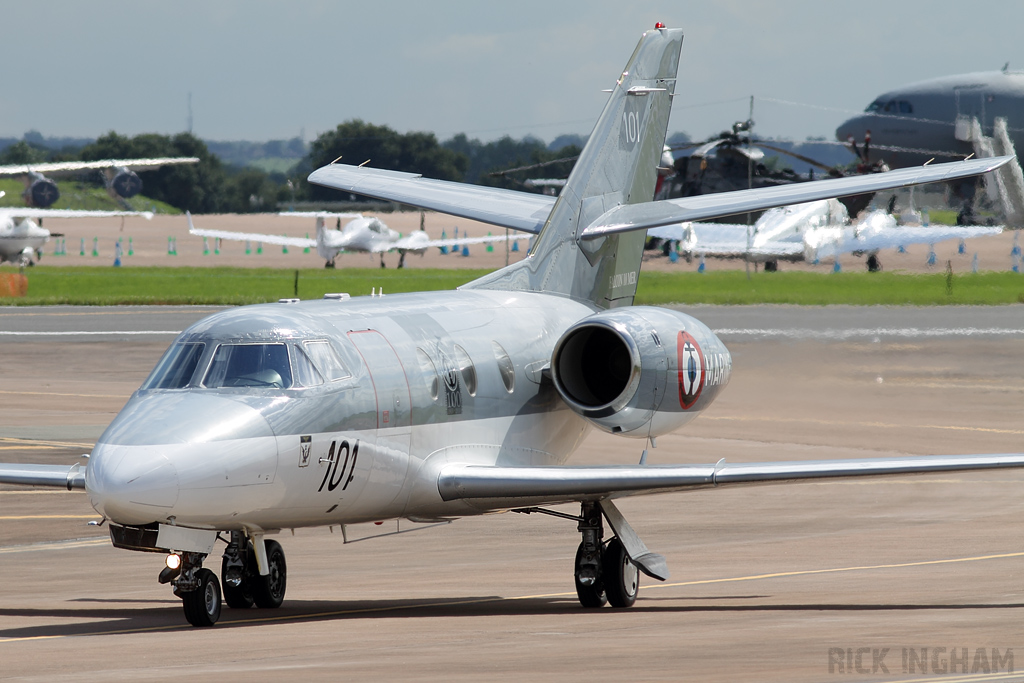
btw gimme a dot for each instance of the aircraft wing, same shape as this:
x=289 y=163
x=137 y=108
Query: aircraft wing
x=724 y=241
x=824 y=247
x=495 y=488
x=250 y=236
x=408 y=243
x=28 y=212
x=64 y=476
x=646 y=215
x=56 y=168
x=523 y=211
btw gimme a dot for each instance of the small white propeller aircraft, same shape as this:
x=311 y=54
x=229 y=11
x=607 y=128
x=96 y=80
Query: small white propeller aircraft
x=437 y=405
x=22 y=239
x=360 y=234
x=120 y=177
x=808 y=232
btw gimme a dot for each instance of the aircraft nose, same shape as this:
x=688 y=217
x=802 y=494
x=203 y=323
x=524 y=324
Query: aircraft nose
x=855 y=127
x=131 y=484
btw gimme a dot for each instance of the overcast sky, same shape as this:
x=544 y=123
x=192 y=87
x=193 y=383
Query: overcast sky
x=261 y=70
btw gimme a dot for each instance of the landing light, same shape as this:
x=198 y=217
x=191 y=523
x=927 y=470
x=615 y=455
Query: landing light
x=173 y=561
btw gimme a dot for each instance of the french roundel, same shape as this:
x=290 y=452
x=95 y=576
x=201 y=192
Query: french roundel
x=691 y=370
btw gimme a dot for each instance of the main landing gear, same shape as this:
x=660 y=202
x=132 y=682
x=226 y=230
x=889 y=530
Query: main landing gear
x=243 y=583
x=608 y=572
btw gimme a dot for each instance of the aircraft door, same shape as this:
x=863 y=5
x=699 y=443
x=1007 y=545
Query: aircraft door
x=394 y=425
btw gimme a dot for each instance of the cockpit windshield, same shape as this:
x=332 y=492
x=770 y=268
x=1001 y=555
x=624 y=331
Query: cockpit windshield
x=175 y=369
x=249 y=365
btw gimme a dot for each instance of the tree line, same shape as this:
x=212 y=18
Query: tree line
x=213 y=186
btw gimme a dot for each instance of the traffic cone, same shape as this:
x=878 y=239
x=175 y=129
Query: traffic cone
x=490 y=246
x=444 y=236
x=95 y=246
x=259 y=248
x=515 y=245
x=216 y=246
x=306 y=250
x=81 y=251
x=170 y=249
x=131 y=249
x=701 y=267
x=931 y=255
x=962 y=247
x=248 y=247
x=974 y=263
x=206 y=247
x=465 y=250
x=284 y=247
x=836 y=267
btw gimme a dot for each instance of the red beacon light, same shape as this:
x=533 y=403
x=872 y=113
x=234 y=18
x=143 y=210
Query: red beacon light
x=659 y=25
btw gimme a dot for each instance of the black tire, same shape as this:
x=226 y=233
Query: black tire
x=591 y=596
x=268 y=591
x=874 y=264
x=771 y=266
x=239 y=597
x=621 y=577
x=202 y=606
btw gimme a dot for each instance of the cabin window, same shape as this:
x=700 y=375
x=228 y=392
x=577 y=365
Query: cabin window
x=306 y=374
x=175 y=369
x=249 y=365
x=467 y=369
x=505 y=367
x=326 y=359
x=429 y=373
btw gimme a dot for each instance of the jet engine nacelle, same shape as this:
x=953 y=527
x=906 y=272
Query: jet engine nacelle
x=639 y=371
x=41 y=191
x=126 y=183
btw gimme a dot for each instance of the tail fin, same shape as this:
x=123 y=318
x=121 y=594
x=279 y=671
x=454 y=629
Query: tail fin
x=619 y=165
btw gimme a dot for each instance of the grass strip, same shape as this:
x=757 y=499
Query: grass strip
x=235 y=286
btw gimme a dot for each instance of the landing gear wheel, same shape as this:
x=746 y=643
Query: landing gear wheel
x=771 y=266
x=591 y=593
x=268 y=591
x=620 y=576
x=240 y=596
x=202 y=605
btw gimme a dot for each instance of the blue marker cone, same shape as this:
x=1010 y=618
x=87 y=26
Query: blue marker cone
x=465 y=250
x=962 y=247
x=117 y=254
x=931 y=255
x=901 y=249
x=673 y=256
x=444 y=236
x=701 y=267
x=836 y=267
x=515 y=245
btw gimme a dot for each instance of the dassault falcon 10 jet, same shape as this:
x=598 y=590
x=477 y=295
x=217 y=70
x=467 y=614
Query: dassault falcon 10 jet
x=437 y=405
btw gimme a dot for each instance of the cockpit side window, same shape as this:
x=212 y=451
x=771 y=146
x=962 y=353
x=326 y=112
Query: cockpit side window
x=326 y=359
x=906 y=107
x=875 y=106
x=249 y=365
x=175 y=369
x=305 y=374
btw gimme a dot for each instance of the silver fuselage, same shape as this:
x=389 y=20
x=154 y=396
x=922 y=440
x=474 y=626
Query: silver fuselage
x=235 y=458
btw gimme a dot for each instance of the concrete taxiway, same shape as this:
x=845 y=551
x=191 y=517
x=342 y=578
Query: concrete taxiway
x=767 y=581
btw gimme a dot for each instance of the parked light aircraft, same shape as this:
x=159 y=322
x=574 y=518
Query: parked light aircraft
x=121 y=179
x=22 y=239
x=361 y=234
x=432 y=406
x=917 y=122
x=808 y=232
